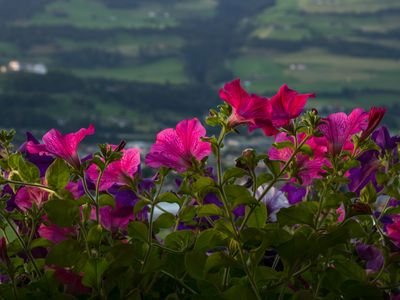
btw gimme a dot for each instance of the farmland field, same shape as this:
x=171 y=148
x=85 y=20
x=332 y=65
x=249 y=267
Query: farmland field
x=118 y=57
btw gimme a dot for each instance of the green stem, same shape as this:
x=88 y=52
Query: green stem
x=40 y=186
x=273 y=182
x=229 y=214
x=150 y=233
x=181 y=282
x=98 y=192
x=23 y=245
x=178 y=219
x=249 y=275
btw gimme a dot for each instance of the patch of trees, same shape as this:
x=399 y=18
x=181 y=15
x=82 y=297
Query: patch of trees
x=211 y=41
x=337 y=46
x=20 y=9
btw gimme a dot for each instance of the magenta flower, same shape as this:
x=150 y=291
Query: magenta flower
x=248 y=109
x=27 y=195
x=307 y=168
x=286 y=105
x=4 y=258
x=393 y=230
x=338 y=129
x=118 y=172
x=72 y=282
x=375 y=116
x=176 y=148
x=63 y=146
x=55 y=233
x=341 y=212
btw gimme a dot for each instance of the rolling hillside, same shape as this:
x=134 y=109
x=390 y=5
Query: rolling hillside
x=125 y=64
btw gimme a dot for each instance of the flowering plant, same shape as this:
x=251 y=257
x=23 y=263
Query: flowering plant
x=315 y=216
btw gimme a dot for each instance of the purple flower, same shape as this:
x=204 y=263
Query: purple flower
x=383 y=139
x=274 y=200
x=370 y=163
x=360 y=177
x=372 y=255
x=294 y=193
x=41 y=161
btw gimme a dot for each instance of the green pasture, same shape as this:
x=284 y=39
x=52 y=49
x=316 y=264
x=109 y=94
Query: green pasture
x=158 y=71
x=94 y=14
x=315 y=70
x=299 y=19
x=127 y=44
x=347 y=6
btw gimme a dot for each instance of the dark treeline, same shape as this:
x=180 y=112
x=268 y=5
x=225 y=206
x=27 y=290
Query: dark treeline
x=212 y=41
x=38 y=98
x=19 y=9
x=337 y=46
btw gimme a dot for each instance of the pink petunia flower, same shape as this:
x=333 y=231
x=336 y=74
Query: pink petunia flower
x=307 y=168
x=286 y=105
x=55 y=233
x=63 y=146
x=341 y=213
x=375 y=116
x=248 y=109
x=28 y=195
x=118 y=172
x=72 y=281
x=338 y=129
x=176 y=148
x=393 y=230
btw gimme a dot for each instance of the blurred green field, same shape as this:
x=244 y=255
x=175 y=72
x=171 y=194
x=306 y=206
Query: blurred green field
x=347 y=6
x=159 y=71
x=316 y=70
x=96 y=15
x=346 y=51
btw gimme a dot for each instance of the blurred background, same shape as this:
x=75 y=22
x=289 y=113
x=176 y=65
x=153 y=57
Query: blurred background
x=133 y=67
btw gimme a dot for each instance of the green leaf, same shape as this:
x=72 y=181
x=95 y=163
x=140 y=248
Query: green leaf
x=170 y=198
x=209 y=210
x=94 y=234
x=209 y=239
x=306 y=149
x=351 y=164
x=296 y=250
x=179 y=240
x=238 y=195
x=195 y=262
x=217 y=261
x=138 y=231
x=273 y=165
x=265 y=274
x=122 y=255
x=58 y=174
x=165 y=220
x=93 y=271
x=282 y=145
x=242 y=292
x=348 y=268
x=63 y=213
x=65 y=254
x=203 y=184
x=106 y=200
x=302 y=213
x=27 y=171
x=368 y=194
x=40 y=242
x=233 y=173
x=140 y=205
x=259 y=216
x=264 y=178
